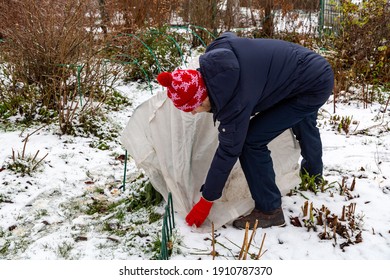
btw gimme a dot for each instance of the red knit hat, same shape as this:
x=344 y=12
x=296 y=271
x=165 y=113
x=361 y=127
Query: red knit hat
x=186 y=88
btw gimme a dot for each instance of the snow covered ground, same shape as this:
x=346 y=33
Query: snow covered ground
x=53 y=213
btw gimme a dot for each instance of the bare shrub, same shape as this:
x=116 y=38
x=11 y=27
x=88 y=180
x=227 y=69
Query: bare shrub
x=54 y=52
x=145 y=55
x=131 y=16
x=46 y=44
x=41 y=36
x=362 y=48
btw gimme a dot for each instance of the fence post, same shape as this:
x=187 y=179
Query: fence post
x=321 y=18
x=124 y=173
x=164 y=248
x=171 y=206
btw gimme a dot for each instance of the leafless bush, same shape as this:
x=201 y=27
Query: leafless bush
x=53 y=50
x=41 y=40
x=131 y=16
x=362 y=46
x=41 y=36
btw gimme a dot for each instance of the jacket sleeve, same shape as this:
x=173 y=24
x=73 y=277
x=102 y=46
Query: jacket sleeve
x=232 y=133
x=221 y=72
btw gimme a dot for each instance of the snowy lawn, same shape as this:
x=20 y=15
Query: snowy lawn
x=70 y=206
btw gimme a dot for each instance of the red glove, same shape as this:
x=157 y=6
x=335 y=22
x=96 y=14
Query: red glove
x=199 y=212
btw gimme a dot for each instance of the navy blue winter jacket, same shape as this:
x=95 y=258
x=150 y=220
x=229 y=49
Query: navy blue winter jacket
x=245 y=76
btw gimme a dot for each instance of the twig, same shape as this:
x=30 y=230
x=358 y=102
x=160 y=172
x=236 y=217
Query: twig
x=357 y=125
x=387 y=104
x=24 y=146
x=365 y=130
x=213 y=240
x=39 y=161
x=232 y=242
x=259 y=255
x=250 y=239
x=35 y=131
x=245 y=241
x=207 y=254
x=36 y=154
x=224 y=246
x=113 y=239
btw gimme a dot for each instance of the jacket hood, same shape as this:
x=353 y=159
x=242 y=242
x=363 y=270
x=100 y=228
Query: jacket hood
x=222 y=41
x=221 y=71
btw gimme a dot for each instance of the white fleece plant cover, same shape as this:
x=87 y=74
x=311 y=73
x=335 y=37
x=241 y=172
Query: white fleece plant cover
x=175 y=149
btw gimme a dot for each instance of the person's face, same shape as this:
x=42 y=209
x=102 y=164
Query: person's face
x=204 y=107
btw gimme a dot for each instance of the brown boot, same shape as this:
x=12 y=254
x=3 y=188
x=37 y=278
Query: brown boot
x=269 y=219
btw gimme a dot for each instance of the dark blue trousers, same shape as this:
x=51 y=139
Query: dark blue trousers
x=255 y=158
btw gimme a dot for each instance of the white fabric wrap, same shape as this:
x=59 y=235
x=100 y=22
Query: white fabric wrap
x=175 y=149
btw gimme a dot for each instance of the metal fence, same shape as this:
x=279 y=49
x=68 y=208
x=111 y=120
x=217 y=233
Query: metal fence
x=167 y=230
x=330 y=17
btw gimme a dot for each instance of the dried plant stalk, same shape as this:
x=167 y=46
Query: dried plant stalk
x=305 y=208
x=213 y=240
x=245 y=241
x=24 y=145
x=250 y=239
x=39 y=161
x=36 y=154
x=343 y=214
x=319 y=218
x=353 y=184
x=260 y=254
x=325 y=229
